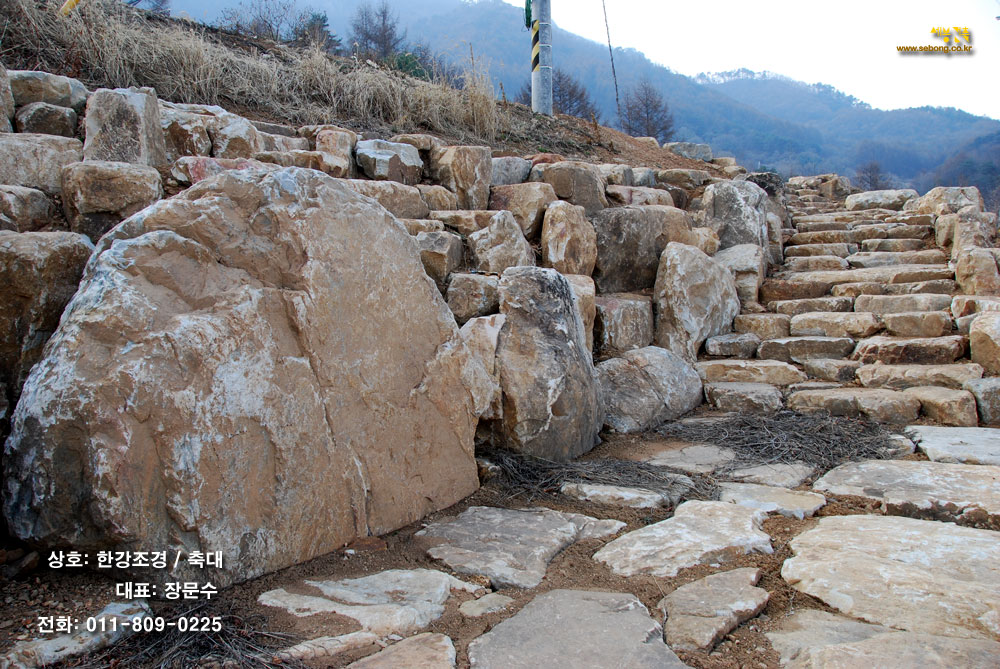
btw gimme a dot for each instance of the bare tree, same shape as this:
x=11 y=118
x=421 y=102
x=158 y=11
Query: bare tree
x=161 y=7
x=569 y=96
x=266 y=19
x=645 y=113
x=311 y=28
x=375 y=32
x=871 y=177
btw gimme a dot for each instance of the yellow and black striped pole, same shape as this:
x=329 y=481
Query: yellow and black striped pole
x=541 y=57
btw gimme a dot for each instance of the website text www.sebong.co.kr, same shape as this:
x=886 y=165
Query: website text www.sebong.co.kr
x=961 y=48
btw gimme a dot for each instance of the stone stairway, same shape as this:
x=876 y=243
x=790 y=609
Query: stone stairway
x=863 y=318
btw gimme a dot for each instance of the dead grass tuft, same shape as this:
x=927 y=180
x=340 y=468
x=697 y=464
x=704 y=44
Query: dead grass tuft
x=107 y=44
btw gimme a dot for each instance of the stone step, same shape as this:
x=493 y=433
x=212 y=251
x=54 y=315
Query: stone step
x=967 y=305
x=918 y=324
x=865 y=259
x=900 y=377
x=910 y=351
x=852 y=324
x=773 y=290
x=946 y=406
x=883 y=406
x=764 y=326
x=773 y=372
x=896 y=274
x=811 y=305
x=840 y=250
x=892 y=245
x=823 y=226
x=814 y=263
x=799 y=349
x=971 y=446
x=744 y=397
x=893 y=304
x=940 y=286
x=831 y=369
x=739 y=345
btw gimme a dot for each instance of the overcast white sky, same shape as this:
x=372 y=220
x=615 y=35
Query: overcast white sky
x=849 y=44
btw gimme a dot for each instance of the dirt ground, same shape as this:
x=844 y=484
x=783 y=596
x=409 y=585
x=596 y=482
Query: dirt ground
x=60 y=592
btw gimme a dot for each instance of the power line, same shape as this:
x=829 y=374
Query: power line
x=614 y=74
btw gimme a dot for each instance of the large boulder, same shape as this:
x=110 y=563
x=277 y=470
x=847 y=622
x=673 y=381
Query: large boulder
x=98 y=195
x=36 y=161
x=389 y=161
x=466 y=171
x=946 y=200
x=880 y=199
x=737 y=212
x=977 y=273
x=694 y=297
x=510 y=170
x=527 y=202
x=213 y=384
x=501 y=245
x=578 y=183
x=40 y=271
x=123 y=125
x=569 y=242
x=401 y=200
x=984 y=342
x=646 y=387
x=46 y=119
x=7 y=107
x=691 y=150
x=29 y=86
x=185 y=131
x=630 y=241
x=748 y=263
x=24 y=209
x=551 y=404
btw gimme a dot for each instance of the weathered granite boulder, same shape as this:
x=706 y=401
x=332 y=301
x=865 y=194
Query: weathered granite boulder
x=40 y=271
x=646 y=387
x=624 y=322
x=946 y=200
x=577 y=183
x=748 y=264
x=473 y=295
x=36 y=161
x=585 y=301
x=976 y=272
x=569 y=241
x=880 y=199
x=24 y=209
x=691 y=150
x=630 y=241
x=438 y=198
x=189 y=170
x=736 y=211
x=551 y=402
x=185 y=131
x=527 y=202
x=465 y=171
x=622 y=196
x=510 y=170
x=6 y=101
x=984 y=342
x=501 y=245
x=98 y=195
x=228 y=394
x=694 y=297
x=123 y=125
x=401 y=200
x=46 y=119
x=442 y=253
x=29 y=86
x=389 y=161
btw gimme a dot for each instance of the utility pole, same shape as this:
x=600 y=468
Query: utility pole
x=541 y=57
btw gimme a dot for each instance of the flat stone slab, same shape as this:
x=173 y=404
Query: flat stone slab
x=694 y=459
x=613 y=495
x=510 y=547
x=769 y=499
x=782 y=475
x=966 y=445
x=486 y=604
x=878 y=404
x=800 y=349
x=424 y=651
x=900 y=377
x=773 y=372
x=698 y=533
x=897 y=274
x=397 y=601
x=909 y=351
x=576 y=628
x=327 y=647
x=920 y=576
x=699 y=614
x=744 y=397
x=811 y=638
x=969 y=493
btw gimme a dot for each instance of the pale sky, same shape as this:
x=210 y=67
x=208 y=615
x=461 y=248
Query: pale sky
x=849 y=44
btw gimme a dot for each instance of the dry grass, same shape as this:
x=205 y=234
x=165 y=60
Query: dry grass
x=105 y=43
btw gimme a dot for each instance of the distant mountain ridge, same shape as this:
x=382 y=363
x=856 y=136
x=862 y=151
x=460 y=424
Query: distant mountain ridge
x=764 y=119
